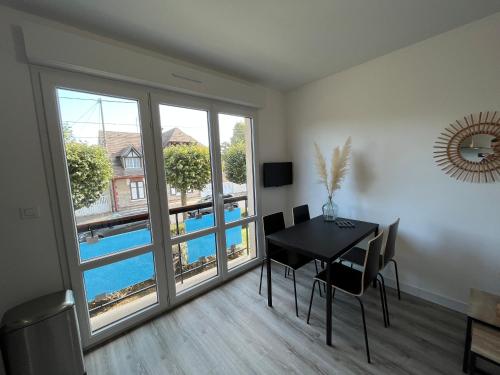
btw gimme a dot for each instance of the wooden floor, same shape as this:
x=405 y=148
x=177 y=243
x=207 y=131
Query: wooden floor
x=232 y=331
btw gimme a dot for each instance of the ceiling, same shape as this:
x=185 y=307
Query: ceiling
x=277 y=43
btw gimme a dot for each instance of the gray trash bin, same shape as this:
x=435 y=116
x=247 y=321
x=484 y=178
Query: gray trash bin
x=41 y=337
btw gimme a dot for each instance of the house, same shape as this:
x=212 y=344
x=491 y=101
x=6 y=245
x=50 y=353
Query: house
x=128 y=184
x=347 y=219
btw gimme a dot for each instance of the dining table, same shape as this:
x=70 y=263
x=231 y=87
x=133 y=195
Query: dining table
x=323 y=240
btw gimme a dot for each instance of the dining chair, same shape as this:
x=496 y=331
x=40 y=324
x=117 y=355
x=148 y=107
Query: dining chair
x=356 y=256
x=300 y=215
x=274 y=223
x=355 y=282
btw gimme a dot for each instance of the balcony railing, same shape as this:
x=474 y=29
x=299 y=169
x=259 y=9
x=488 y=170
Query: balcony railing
x=110 y=226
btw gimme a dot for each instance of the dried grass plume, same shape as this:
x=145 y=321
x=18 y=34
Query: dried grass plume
x=338 y=169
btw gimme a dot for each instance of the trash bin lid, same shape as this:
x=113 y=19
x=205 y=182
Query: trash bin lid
x=36 y=310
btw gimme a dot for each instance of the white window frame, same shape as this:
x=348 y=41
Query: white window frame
x=213 y=107
x=134 y=186
x=44 y=82
x=132 y=162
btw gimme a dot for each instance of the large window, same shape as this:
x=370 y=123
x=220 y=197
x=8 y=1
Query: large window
x=151 y=215
x=137 y=190
x=236 y=153
x=97 y=130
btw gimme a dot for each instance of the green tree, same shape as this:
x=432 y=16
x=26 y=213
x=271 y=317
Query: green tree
x=89 y=172
x=238 y=133
x=235 y=166
x=67 y=133
x=187 y=167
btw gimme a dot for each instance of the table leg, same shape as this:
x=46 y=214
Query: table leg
x=465 y=364
x=269 y=284
x=329 y=304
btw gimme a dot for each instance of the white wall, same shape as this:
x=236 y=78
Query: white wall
x=394 y=108
x=29 y=264
x=273 y=148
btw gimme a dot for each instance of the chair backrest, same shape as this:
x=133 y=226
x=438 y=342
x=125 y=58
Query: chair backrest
x=372 y=260
x=390 y=245
x=273 y=223
x=301 y=214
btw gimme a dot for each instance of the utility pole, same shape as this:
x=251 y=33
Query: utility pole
x=102 y=123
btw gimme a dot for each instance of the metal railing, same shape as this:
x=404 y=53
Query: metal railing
x=141 y=219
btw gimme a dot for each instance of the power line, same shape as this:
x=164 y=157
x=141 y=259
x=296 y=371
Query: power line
x=86 y=112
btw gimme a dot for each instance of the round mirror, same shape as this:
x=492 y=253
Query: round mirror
x=469 y=149
x=478 y=148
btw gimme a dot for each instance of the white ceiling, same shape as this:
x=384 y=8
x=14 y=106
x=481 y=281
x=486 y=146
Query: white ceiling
x=278 y=43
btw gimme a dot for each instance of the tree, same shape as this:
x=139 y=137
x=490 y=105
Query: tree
x=239 y=131
x=89 y=172
x=235 y=165
x=187 y=167
x=67 y=133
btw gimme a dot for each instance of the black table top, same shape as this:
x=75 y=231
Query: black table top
x=321 y=239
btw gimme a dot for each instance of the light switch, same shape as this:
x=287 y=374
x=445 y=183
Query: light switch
x=27 y=213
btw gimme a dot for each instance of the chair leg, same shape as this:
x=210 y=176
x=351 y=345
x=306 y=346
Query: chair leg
x=311 y=300
x=382 y=302
x=261 y=272
x=295 y=293
x=364 y=328
x=385 y=300
x=472 y=364
x=397 y=277
x=286 y=271
x=316 y=265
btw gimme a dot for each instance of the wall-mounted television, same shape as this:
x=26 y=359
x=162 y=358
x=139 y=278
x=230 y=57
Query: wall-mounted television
x=278 y=174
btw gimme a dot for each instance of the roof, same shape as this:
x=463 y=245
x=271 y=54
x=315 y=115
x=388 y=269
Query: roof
x=175 y=136
x=119 y=144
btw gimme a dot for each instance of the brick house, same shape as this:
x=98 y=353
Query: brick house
x=128 y=189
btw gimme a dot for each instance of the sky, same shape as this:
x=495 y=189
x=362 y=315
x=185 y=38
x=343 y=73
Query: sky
x=82 y=112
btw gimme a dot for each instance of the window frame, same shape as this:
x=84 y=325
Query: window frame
x=137 y=189
x=43 y=79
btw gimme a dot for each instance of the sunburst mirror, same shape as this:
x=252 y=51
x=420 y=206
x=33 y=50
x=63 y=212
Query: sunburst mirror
x=469 y=149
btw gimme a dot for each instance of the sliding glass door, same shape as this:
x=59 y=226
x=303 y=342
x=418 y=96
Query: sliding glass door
x=155 y=194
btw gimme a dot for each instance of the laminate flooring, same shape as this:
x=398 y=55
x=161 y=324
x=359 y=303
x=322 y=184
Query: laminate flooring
x=230 y=330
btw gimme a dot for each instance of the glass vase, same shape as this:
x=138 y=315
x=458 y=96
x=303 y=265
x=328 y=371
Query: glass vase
x=330 y=210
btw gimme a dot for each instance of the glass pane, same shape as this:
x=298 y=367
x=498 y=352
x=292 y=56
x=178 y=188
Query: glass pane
x=119 y=289
x=241 y=244
x=194 y=261
x=237 y=166
x=188 y=171
x=104 y=156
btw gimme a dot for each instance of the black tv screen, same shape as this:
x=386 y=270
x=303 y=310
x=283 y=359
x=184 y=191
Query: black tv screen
x=278 y=174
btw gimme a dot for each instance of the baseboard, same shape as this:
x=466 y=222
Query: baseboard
x=450 y=303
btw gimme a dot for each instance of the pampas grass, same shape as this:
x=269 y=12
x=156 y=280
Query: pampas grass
x=338 y=168
x=321 y=168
